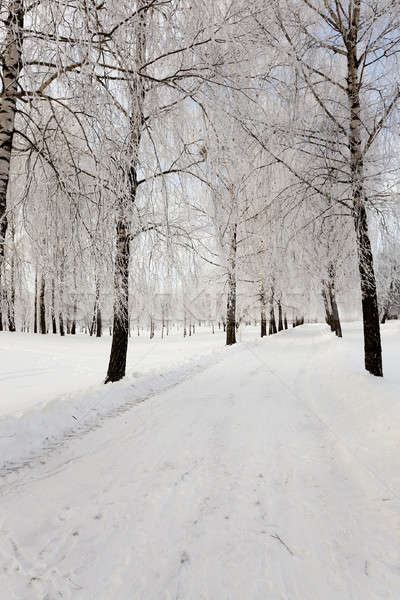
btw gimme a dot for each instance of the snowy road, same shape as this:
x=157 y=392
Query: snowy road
x=232 y=485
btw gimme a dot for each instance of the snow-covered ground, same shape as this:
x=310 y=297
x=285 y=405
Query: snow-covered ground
x=52 y=387
x=269 y=471
x=35 y=369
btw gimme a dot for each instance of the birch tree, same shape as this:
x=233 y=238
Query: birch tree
x=335 y=52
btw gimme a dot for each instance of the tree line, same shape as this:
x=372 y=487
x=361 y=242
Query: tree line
x=155 y=147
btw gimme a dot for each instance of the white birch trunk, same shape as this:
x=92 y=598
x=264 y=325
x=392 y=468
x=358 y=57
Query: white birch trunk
x=11 y=68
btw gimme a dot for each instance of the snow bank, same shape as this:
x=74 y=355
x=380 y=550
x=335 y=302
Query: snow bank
x=37 y=368
x=45 y=427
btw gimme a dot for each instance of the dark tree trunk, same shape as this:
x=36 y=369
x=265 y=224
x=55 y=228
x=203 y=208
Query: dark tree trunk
x=272 y=322
x=98 y=322
x=61 y=296
x=285 y=322
x=328 y=312
x=42 y=305
x=11 y=294
x=35 y=322
x=280 y=321
x=119 y=346
x=11 y=299
x=61 y=324
x=10 y=317
x=332 y=297
x=263 y=324
x=372 y=336
x=61 y=318
x=53 y=310
x=74 y=314
x=336 y=320
x=231 y=300
x=75 y=305
x=263 y=317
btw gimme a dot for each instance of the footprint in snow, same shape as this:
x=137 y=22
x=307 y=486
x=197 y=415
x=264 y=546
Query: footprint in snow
x=184 y=557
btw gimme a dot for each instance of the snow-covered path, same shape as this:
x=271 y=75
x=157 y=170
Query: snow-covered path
x=232 y=485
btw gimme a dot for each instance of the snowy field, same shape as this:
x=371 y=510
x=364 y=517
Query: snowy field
x=266 y=471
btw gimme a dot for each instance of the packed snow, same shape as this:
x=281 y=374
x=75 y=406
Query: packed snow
x=270 y=470
x=53 y=387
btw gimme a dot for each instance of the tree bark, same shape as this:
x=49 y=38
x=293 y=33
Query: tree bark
x=75 y=303
x=92 y=326
x=372 y=337
x=280 y=321
x=263 y=317
x=231 y=299
x=11 y=298
x=74 y=313
x=35 y=322
x=263 y=324
x=99 y=326
x=151 y=328
x=61 y=302
x=11 y=68
x=42 y=306
x=328 y=312
x=1 y=304
x=96 y=317
x=53 y=308
x=337 y=328
x=119 y=346
x=97 y=311
x=272 y=322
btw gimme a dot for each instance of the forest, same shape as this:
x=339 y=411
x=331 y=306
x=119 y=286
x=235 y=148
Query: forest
x=199 y=208
x=244 y=155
